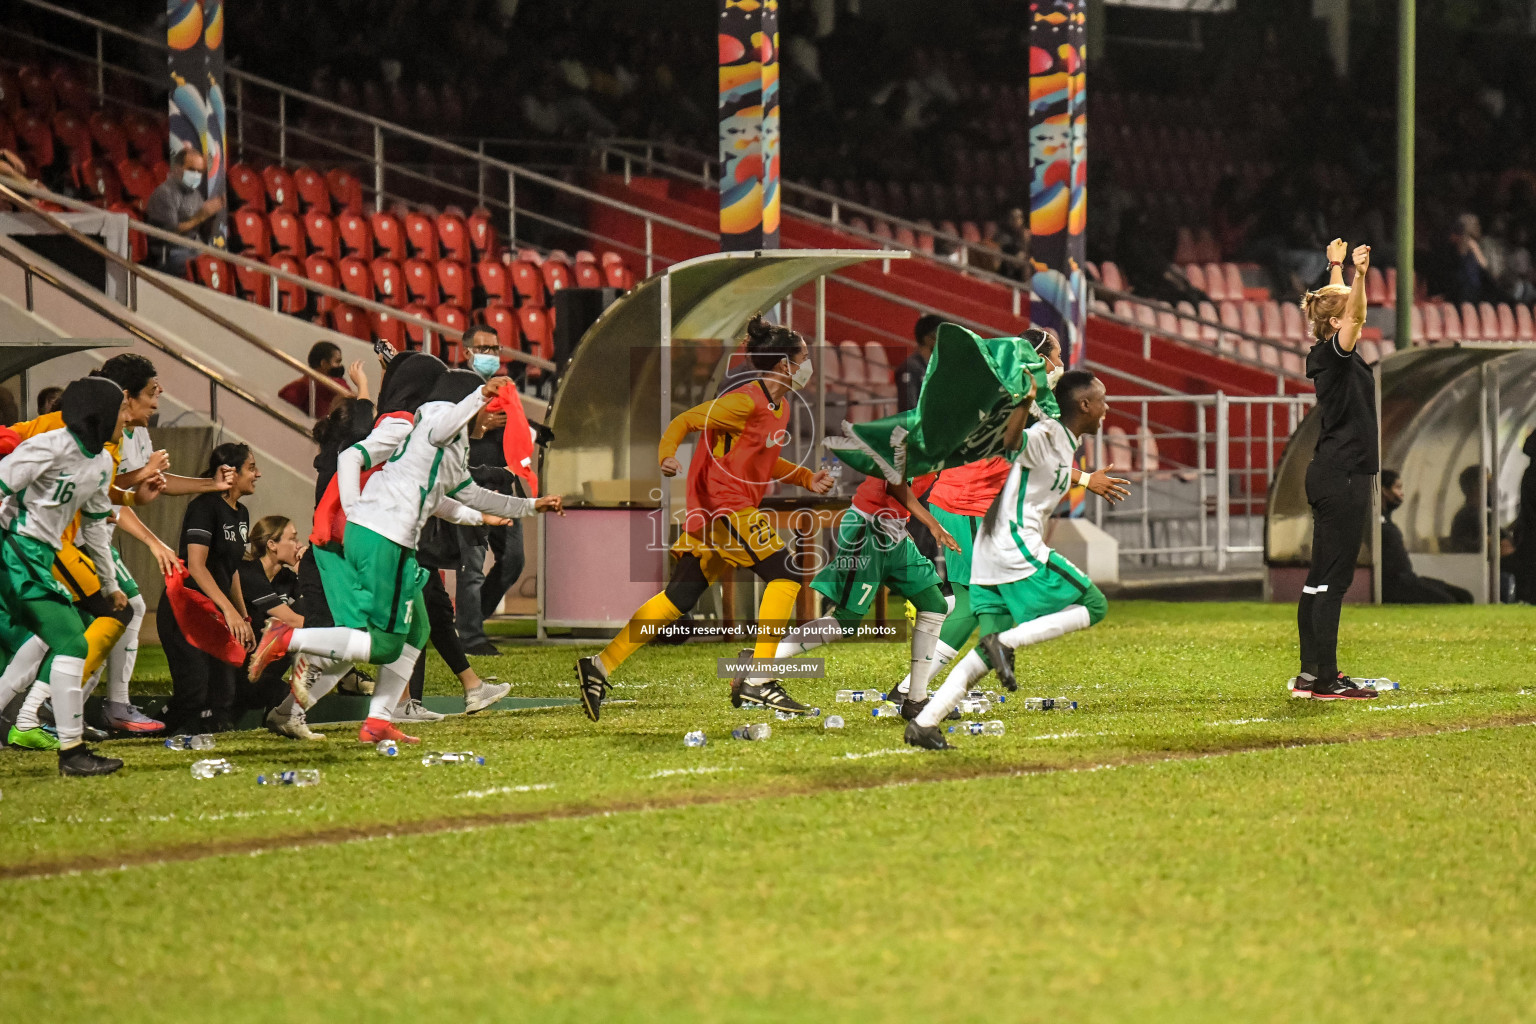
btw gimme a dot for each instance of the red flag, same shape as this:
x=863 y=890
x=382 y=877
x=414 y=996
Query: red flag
x=517 y=439
x=201 y=622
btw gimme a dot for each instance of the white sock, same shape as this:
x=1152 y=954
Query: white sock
x=1046 y=627
x=22 y=671
x=334 y=643
x=925 y=640
x=125 y=655
x=90 y=684
x=325 y=681
x=949 y=601
x=394 y=679
x=64 y=681
x=27 y=717
x=943 y=654
x=966 y=671
x=808 y=637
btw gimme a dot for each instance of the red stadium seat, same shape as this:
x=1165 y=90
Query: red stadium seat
x=530 y=256
x=1434 y=323
x=212 y=272
x=527 y=283
x=36 y=137
x=356 y=235
x=138 y=183
x=98 y=179
x=557 y=276
x=1508 y=329
x=1471 y=324
x=1376 y=288
x=588 y=276
x=537 y=331
x=503 y=320
x=1196 y=276
x=617 y=275
x=482 y=233
x=312 y=189
x=322 y=271
x=291 y=297
x=584 y=256
x=251 y=230
x=492 y=278
x=321 y=232
x=454 y=283
x=421 y=233
x=38 y=91
x=1112 y=279
x=146 y=135
x=74 y=96
x=388 y=329
x=1274 y=326
x=449 y=349
x=253 y=285
x=1416 y=325
x=388 y=283
x=415 y=336
x=282 y=193
x=1216 y=284
x=1488 y=322
x=10 y=92
x=1524 y=329
x=454 y=237
x=388 y=235
x=421 y=282
x=351 y=321
x=346 y=190
x=287 y=232
x=138 y=241
x=109 y=136
x=356 y=277
x=1453 y=331
x=247 y=186
x=1235 y=287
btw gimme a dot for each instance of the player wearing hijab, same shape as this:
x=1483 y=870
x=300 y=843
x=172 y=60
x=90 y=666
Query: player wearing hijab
x=46 y=481
x=375 y=588
x=744 y=430
x=1023 y=592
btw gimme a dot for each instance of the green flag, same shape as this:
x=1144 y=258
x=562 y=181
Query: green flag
x=971 y=387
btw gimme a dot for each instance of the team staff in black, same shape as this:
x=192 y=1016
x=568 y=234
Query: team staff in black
x=214 y=533
x=1342 y=472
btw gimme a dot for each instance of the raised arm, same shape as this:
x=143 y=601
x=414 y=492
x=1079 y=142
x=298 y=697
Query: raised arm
x=728 y=412
x=446 y=426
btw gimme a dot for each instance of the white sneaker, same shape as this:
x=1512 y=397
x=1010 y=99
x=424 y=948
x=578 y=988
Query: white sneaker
x=483 y=696
x=414 y=711
x=293 y=725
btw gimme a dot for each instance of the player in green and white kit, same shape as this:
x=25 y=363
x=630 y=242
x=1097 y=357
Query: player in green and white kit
x=46 y=481
x=375 y=590
x=1022 y=591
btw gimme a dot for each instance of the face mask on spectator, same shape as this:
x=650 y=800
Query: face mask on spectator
x=336 y=372
x=486 y=364
x=191 y=179
x=1053 y=375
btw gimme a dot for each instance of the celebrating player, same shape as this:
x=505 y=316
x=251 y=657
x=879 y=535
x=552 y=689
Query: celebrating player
x=375 y=588
x=738 y=457
x=1022 y=591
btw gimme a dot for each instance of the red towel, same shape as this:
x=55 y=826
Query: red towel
x=517 y=439
x=201 y=622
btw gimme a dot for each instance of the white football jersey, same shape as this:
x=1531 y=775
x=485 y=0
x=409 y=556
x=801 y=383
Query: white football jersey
x=46 y=481
x=1041 y=475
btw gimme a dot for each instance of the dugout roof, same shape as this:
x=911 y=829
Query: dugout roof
x=660 y=350
x=1442 y=410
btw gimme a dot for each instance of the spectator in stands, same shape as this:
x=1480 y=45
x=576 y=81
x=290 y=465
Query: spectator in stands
x=1464 y=272
x=307 y=396
x=1523 y=561
x=177 y=205
x=1014 y=241
x=909 y=375
x=1399 y=584
x=1232 y=216
x=1466 y=535
x=48 y=400
x=481 y=591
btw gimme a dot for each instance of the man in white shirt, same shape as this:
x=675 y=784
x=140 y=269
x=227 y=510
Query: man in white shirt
x=1022 y=591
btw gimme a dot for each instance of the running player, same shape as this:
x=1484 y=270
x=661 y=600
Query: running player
x=1022 y=591
x=744 y=430
x=874 y=550
x=46 y=481
x=375 y=587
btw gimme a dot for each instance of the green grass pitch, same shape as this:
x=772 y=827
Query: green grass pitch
x=1190 y=845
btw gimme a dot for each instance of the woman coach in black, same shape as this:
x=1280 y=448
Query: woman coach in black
x=1342 y=474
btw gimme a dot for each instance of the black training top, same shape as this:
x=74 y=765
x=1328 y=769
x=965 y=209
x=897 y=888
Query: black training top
x=210 y=520
x=1346 y=400
x=263 y=595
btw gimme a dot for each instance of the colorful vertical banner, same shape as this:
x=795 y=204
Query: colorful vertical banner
x=1058 y=160
x=749 y=124
x=195 y=32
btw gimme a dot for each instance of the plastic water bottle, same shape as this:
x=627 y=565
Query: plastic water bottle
x=756 y=731
x=1049 y=704
x=833 y=722
x=202 y=741
x=974 y=706
x=989 y=695
x=992 y=728
x=387 y=748
x=858 y=696
x=207 y=769
x=290 y=777
x=452 y=757
x=1378 y=684
x=695 y=738
x=834 y=467
x=885 y=710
